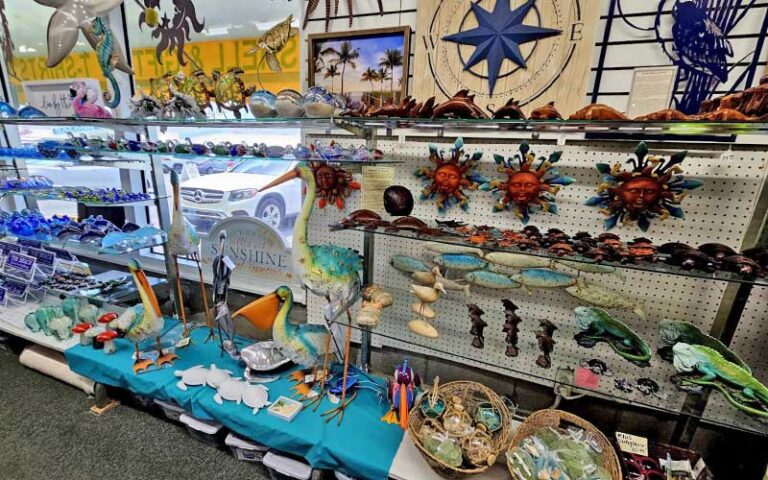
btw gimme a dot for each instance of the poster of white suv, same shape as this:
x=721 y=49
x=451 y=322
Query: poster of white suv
x=210 y=198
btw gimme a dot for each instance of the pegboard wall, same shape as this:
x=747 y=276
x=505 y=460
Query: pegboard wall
x=720 y=211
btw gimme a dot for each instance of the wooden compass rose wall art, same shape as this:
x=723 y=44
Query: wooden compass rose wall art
x=535 y=51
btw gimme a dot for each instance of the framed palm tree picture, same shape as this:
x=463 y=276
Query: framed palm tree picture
x=365 y=66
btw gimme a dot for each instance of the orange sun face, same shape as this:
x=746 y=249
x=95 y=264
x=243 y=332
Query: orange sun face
x=530 y=186
x=447 y=181
x=332 y=185
x=652 y=188
x=523 y=187
x=640 y=194
x=447 y=178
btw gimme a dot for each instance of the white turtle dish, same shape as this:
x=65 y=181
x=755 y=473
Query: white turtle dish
x=230 y=390
x=191 y=377
x=216 y=376
x=256 y=397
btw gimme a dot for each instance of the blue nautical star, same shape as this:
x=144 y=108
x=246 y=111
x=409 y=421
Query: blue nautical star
x=498 y=36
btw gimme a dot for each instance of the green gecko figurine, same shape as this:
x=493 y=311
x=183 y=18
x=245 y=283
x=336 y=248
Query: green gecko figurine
x=739 y=387
x=597 y=325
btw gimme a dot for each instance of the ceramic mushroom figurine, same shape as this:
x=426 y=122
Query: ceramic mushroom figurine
x=81 y=329
x=108 y=339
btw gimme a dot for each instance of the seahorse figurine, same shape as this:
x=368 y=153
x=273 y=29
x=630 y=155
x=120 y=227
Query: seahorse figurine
x=108 y=58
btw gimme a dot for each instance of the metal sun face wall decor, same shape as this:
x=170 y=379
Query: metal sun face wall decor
x=653 y=188
x=529 y=187
x=447 y=180
x=333 y=184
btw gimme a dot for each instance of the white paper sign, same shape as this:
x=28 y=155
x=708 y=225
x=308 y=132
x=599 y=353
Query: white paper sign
x=52 y=97
x=651 y=90
x=632 y=444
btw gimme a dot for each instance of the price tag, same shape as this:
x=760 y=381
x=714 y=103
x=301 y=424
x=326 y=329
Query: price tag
x=229 y=263
x=632 y=444
x=586 y=378
x=7 y=247
x=183 y=342
x=43 y=257
x=30 y=243
x=561 y=140
x=3 y=300
x=15 y=288
x=20 y=266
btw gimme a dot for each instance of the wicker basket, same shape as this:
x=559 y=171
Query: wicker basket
x=557 y=418
x=471 y=394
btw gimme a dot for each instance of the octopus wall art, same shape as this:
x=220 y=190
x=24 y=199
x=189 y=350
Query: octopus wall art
x=528 y=188
x=173 y=34
x=654 y=188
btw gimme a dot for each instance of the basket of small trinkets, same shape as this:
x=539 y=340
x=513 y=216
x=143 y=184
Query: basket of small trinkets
x=460 y=428
x=556 y=444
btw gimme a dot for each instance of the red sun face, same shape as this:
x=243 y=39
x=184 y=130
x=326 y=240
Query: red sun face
x=523 y=187
x=638 y=194
x=447 y=178
x=325 y=177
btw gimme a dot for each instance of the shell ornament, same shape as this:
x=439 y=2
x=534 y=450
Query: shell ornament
x=334 y=184
x=530 y=186
x=654 y=188
x=447 y=181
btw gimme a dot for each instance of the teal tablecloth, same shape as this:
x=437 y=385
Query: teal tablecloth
x=362 y=446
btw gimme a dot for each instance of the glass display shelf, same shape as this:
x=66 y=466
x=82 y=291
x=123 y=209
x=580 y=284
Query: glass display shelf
x=643 y=266
x=57 y=193
x=691 y=127
x=124 y=290
x=12 y=322
x=92 y=249
x=107 y=155
x=523 y=367
x=138 y=163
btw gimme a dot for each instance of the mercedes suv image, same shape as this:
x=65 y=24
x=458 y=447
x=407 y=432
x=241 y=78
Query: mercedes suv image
x=207 y=199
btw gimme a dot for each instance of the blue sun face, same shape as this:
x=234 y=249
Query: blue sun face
x=498 y=36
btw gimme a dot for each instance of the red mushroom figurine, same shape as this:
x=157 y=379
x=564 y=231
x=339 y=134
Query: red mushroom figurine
x=107 y=318
x=81 y=329
x=108 y=339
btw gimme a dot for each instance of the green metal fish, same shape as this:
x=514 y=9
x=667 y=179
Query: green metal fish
x=543 y=278
x=460 y=261
x=484 y=278
x=407 y=264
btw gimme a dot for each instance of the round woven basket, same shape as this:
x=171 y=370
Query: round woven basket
x=471 y=394
x=558 y=418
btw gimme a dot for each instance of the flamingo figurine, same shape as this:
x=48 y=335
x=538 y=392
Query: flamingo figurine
x=329 y=271
x=84 y=106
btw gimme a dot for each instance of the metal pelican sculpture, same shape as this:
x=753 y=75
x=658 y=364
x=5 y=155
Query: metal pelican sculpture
x=329 y=271
x=143 y=321
x=304 y=344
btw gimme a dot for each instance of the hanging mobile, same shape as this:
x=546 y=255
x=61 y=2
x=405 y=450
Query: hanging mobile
x=528 y=187
x=654 y=188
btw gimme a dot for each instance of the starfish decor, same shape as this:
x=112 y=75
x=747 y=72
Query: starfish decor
x=498 y=36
